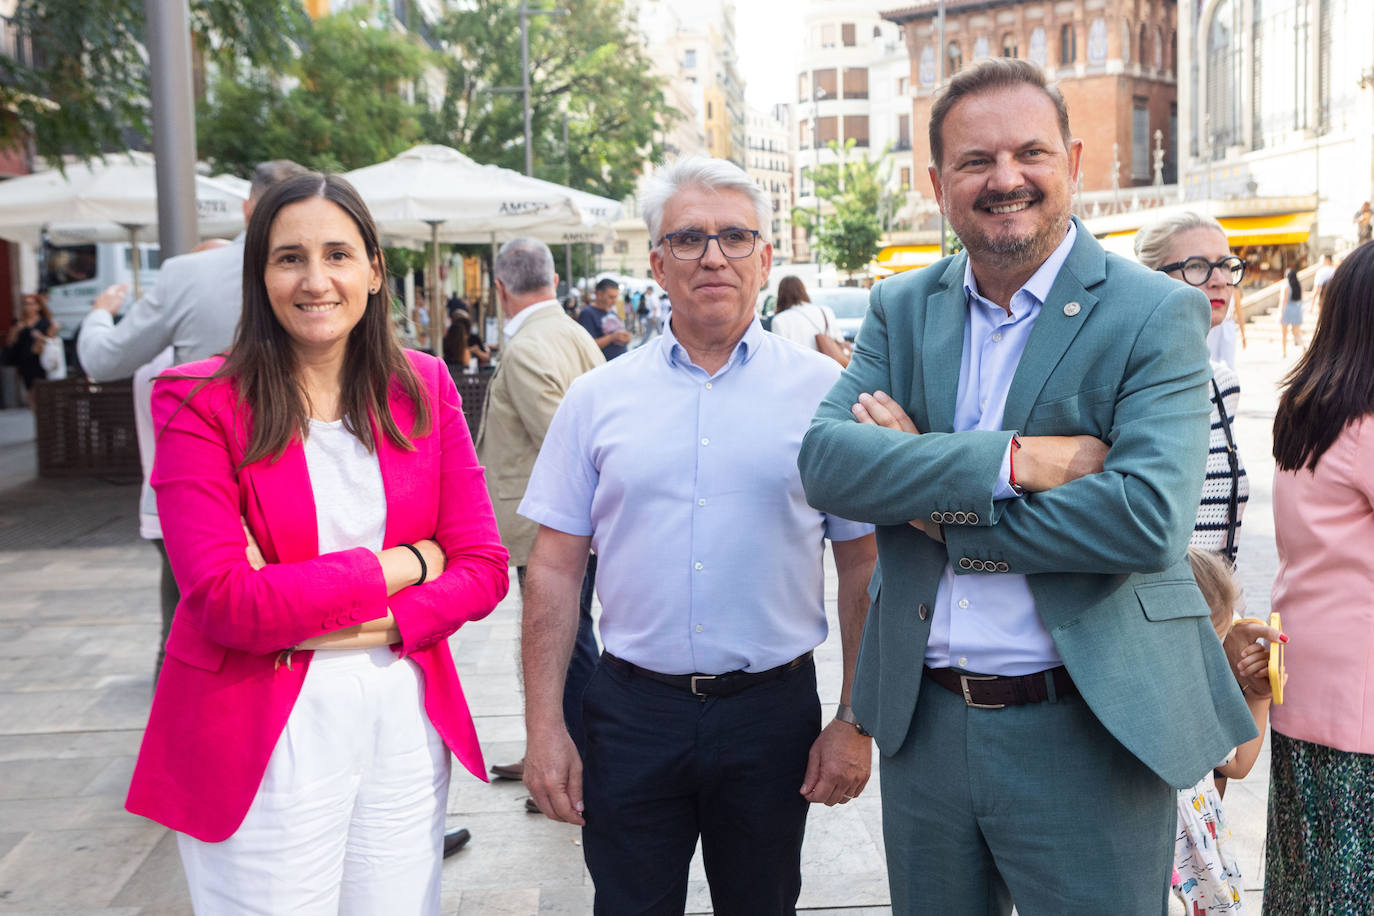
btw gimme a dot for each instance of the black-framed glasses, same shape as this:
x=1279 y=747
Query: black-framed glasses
x=690 y=245
x=1196 y=271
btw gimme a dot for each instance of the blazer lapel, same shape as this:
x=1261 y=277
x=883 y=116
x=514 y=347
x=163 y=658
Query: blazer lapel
x=942 y=346
x=286 y=504
x=1063 y=314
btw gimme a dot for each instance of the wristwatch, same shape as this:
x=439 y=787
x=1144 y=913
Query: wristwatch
x=843 y=713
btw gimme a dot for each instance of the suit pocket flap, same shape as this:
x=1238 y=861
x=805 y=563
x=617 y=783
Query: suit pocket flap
x=187 y=645
x=1171 y=600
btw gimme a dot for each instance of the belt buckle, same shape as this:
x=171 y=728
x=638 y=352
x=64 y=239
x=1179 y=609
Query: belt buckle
x=701 y=677
x=968 y=700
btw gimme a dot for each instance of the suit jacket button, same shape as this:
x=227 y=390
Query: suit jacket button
x=965 y=563
x=960 y=518
x=922 y=611
x=1002 y=566
x=935 y=517
x=973 y=518
x=981 y=565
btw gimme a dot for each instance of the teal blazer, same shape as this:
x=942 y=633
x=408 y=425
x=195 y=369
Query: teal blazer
x=1118 y=352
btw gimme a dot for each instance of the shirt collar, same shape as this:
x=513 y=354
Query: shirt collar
x=676 y=354
x=523 y=315
x=1040 y=283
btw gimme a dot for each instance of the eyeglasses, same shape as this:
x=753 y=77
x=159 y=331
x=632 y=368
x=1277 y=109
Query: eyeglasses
x=690 y=245
x=1196 y=271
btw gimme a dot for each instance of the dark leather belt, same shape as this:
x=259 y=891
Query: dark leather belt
x=707 y=685
x=992 y=691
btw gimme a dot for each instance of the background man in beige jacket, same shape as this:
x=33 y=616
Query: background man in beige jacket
x=544 y=351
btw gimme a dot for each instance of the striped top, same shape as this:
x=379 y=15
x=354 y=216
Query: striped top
x=1209 y=531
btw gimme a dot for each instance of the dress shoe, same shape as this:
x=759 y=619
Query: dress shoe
x=531 y=807
x=455 y=840
x=511 y=771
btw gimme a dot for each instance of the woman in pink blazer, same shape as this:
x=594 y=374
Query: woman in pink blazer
x=1320 y=845
x=328 y=523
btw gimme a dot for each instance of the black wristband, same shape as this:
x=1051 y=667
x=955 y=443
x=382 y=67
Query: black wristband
x=424 y=570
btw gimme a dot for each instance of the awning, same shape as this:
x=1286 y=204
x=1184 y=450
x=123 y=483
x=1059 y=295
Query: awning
x=897 y=258
x=1279 y=229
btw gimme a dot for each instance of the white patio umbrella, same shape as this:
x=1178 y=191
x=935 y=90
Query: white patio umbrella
x=114 y=200
x=438 y=194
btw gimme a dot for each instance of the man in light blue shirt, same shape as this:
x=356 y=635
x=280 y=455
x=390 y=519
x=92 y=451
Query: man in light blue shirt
x=677 y=464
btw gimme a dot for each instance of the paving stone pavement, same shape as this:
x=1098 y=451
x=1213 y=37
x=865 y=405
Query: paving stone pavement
x=78 y=628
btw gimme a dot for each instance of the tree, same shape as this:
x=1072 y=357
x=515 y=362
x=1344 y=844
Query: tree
x=589 y=77
x=82 y=84
x=857 y=190
x=346 y=109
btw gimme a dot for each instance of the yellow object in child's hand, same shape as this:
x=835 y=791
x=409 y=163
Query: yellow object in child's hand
x=1277 y=671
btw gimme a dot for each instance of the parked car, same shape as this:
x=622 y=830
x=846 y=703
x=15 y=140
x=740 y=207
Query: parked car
x=849 y=303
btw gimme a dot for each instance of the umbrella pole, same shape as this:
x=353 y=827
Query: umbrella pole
x=495 y=306
x=135 y=260
x=436 y=307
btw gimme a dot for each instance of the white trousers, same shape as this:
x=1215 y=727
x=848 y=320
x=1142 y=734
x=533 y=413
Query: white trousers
x=350 y=814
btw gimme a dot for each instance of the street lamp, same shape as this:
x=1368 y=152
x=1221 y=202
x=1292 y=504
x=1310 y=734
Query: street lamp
x=525 y=14
x=817 y=93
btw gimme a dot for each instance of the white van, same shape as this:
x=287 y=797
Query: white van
x=74 y=275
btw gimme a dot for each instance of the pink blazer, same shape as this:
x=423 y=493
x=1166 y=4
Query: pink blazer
x=222 y=701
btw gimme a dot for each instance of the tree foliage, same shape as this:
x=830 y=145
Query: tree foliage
x=861 y=207
x=80 y=82
x=346 y=107
x=589 y=75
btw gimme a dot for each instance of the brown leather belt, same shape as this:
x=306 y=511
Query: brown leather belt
x=707 y=685
x=992 y=691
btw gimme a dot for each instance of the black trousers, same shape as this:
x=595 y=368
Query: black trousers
x=663 y=767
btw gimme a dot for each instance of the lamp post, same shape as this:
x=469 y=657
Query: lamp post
x=817 y=93
x=940 y=78
x=525 y=14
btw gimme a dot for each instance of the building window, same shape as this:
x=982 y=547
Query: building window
x=847 y=34
x=906 y=178
x=803 y=87
x=1039 y=48
x=1140 y=139
x=710 y=109
x=1125 y=42
x=826 y=130
x=1068 y=45
x=856 y=129
x=828 y=35
x=622 y=247
x=1222 y=117
x=825 y=84
x=903 y=132
x=903 y=83
x=954 y=59
x=1009 y=48
x=689 y=58
x=804 y=133
x=856 y=83
x=1142 y=49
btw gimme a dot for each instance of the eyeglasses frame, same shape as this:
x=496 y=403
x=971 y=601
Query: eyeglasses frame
x=1211 y=266
x=668 y=237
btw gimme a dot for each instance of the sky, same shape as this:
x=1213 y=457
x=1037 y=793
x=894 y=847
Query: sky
x=768 y=39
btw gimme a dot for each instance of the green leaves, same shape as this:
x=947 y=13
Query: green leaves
x=856 y=188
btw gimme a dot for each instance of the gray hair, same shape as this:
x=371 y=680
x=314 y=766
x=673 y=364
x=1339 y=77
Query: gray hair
x=267 y=175
x=700 y=172
x=1153 y=240
x=524 y=265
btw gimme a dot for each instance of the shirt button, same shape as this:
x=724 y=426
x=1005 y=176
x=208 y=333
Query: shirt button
x=963 y=662
x=997 y=338
x=701 y=502
x=963 y=602
x=708 y=388
x=698 y=566
x=705 y=441
x=698 y=628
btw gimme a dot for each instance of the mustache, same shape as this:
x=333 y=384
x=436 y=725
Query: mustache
x=995 y=199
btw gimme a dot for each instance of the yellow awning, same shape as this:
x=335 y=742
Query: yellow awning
x=898 y=258
x=1279 y=229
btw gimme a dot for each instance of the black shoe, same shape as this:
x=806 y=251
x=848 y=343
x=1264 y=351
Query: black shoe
x=455 y=840
x=531 y=807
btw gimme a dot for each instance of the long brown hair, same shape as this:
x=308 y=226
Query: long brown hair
x=1333 y=382
x=791 y=291
x=262 y=363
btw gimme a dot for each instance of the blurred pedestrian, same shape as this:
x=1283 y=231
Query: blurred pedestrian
x=1041 y=566
x=678 y=463
x=1290 y=310
x=29 y=338
x=1320 y=279
x=802 y=321
x=1364 y=223
x=544 y=352
x=601 y=321
x=1190 y=247
x=193 y=308
x=324 y=510
x=1319 y=855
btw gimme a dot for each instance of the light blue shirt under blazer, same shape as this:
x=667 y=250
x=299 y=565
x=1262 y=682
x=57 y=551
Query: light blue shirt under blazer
x=710 y=559
x=987 y=622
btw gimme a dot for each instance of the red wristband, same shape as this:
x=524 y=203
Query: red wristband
x=1011 y=465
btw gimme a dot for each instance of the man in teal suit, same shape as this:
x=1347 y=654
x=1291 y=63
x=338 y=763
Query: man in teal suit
x=1027 y=425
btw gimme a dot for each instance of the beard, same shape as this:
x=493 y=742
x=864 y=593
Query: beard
x=1006 y=249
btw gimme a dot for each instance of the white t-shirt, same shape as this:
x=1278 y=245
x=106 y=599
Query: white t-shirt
x=803 y=321
x=350 y=503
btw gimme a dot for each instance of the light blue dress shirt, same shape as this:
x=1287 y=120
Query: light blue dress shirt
x=710 y=559
x=987 y=622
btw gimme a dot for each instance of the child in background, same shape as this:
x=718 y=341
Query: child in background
x=1206 y=874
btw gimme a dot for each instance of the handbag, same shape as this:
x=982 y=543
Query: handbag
x=840 y=352
x=53 y=359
